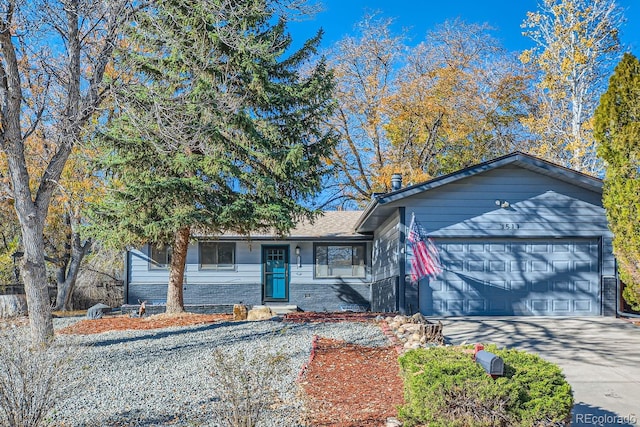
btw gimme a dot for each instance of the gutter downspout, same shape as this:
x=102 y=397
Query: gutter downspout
x=402 y=286
x=125 y=277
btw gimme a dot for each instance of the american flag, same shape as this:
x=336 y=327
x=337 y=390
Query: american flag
x=425 y=261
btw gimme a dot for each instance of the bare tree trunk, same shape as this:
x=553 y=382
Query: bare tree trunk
x=175 y=299
x=34 y=273
x=22 y=115
x=31 y=218
x=66 y=286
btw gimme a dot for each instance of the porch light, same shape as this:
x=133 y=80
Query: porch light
x=298 y=256
x=297 y=250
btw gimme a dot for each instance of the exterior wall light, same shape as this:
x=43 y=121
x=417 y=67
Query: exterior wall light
x=298 y=256
x=502 y=203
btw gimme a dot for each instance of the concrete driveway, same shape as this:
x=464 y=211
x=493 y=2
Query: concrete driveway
x=600 y=357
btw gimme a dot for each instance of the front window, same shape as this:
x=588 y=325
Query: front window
x=217 y=255
x=160 y=256
x=340 y=260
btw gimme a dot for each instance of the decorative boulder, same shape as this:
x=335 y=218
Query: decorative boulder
x=261 y=312
x=13 y=305
x=239 y=312
x=97 y=311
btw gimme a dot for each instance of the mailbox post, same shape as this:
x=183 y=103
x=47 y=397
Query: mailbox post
x=491 y=363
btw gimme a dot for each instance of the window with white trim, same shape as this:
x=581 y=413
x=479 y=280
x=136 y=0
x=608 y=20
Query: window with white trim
x=217 y=255
x=332 y=260
x=159 y=256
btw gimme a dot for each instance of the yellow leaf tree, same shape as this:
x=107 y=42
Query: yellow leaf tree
x=576 y=44
x=365 y=68
x=451 y=101
x=460 y=100
x=53 y=58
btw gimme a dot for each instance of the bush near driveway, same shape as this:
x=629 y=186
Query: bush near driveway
x=444 y=387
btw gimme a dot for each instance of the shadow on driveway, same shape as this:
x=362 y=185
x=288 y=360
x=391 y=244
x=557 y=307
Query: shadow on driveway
x=599 y=356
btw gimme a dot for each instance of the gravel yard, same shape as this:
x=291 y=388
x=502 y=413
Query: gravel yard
x=162 y=377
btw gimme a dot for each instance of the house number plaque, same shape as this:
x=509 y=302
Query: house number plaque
x=510 y=226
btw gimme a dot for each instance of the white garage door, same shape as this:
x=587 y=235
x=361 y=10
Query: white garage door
x=558 y=277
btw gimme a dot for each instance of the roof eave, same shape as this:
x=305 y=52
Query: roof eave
x=365 y=215
x=518 y=158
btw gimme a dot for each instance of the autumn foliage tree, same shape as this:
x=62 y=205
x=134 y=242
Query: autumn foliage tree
x=65 y=248
x=617 y=130
x=577 y=42
x=453 y=100
x=220 y=130
x=451 y=109
x=366 y=69
x=53 y=57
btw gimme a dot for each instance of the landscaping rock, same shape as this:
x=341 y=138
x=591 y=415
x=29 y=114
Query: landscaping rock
x=240 y=312
x=260 y=313
x=97 y=311
x=415 y=331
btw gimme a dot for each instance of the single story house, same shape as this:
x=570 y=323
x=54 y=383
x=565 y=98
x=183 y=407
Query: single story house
x=516 y=236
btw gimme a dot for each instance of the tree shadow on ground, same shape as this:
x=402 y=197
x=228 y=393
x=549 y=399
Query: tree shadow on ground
x=584 y=415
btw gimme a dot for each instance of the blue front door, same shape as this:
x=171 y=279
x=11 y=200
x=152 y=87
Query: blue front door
x=276 y=273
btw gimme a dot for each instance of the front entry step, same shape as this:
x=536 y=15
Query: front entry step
x=282 y=308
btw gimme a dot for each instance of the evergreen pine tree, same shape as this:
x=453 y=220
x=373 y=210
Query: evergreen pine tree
x=220 y=129
x=617 y=130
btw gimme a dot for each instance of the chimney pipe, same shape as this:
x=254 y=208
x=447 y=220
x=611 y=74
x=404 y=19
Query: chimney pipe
x=396 y=181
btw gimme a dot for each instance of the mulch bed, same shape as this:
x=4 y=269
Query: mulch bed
x=156 y=321
x=347 y=385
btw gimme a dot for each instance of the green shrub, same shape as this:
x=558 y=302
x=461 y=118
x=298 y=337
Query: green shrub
x=444 y=387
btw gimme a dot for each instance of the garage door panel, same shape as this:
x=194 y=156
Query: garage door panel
x=456 y=266
x=517 y=276
x=561 y=266
x=497 y=266
x=474 y=266
x=455 y=305
x=477 y=306
x=539 y=306
x=539 y=266
x=541 y=286
x=498 y=306
x=562 y=306
x=562 y=287
x=582 y=306
x=518 y=266
x=583 y=286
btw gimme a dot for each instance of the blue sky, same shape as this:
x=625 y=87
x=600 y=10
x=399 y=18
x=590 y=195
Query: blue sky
x=419 y=16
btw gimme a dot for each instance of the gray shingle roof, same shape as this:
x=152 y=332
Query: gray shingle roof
x=331 y=225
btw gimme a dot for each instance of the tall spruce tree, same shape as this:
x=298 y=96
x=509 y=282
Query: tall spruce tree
x=617 y=130
x=219 y=130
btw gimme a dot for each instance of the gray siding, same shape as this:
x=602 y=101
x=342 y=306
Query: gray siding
x=384 y=295
x=244 y=282
x=386 y=254
x=331 y=297
x=539 y=205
